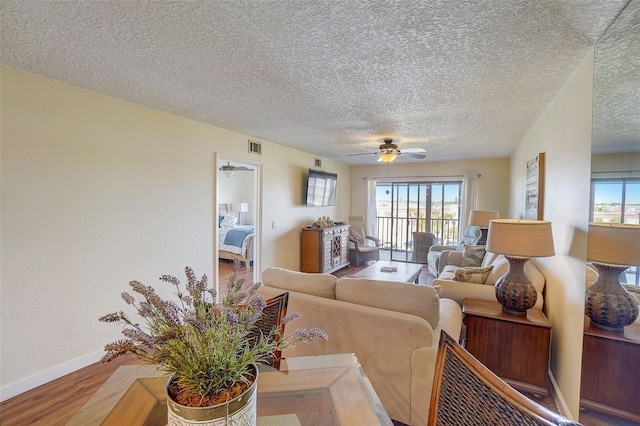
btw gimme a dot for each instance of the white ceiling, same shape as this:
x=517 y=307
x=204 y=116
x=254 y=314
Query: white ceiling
x=461 y=79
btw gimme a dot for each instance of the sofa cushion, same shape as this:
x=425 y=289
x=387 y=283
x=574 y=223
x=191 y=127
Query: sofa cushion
x=472 y=255
x=472 y=274
x=500 y=267
x=414 y=299
x=322 y=285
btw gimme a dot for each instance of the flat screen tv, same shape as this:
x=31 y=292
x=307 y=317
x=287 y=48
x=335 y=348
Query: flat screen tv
x=321 y=188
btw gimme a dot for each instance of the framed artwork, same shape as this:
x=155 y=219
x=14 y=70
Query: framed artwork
x=534 y=192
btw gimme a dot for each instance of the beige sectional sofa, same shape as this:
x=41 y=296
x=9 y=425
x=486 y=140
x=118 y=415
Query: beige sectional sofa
x=458 y=291
x=392 y=327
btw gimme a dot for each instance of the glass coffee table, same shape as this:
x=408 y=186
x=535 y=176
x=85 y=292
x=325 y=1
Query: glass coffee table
x=311 y=390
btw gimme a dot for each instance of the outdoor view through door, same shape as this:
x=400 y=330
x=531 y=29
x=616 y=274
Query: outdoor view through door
x=412 y=216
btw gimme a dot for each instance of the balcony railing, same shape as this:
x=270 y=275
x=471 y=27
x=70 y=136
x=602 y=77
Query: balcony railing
x=397 y=233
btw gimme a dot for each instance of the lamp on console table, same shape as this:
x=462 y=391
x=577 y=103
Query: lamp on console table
x=481 y=218
x=612 y=247
x=518 y=240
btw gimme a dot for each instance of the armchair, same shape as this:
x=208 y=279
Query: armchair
x=435 y=260
x=362 y=247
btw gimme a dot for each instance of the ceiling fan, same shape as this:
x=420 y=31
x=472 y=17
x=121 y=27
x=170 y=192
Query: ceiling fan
x=229 y=170
x=388 y=152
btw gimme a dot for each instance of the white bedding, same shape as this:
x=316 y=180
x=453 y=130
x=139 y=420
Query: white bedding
x=242 y=251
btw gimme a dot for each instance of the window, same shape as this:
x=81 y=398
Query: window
x=617 y=200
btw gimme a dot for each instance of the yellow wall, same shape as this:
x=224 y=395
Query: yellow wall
x=563 y=132
x=97 y=192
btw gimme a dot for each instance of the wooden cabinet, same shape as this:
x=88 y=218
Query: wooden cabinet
x=324 y=249
x=515 y=347
x=611 y=371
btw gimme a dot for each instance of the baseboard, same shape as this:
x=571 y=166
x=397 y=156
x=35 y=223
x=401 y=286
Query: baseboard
x=46 y=376
x=559 y=399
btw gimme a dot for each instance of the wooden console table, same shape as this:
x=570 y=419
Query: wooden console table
x=514 y=347
x=324 y=249
x=611 y=371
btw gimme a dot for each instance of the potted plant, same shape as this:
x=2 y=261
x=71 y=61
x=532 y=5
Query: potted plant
x=210 y=347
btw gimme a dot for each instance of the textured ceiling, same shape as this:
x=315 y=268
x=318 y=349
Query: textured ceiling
x=461 y=79
x=616 y=100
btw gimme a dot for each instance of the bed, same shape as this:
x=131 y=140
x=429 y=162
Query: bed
x=234 y=241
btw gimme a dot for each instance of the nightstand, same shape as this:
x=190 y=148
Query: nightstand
x=610 y=371
x=514 y=347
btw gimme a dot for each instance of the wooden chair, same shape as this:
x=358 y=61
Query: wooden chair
x=465 y=392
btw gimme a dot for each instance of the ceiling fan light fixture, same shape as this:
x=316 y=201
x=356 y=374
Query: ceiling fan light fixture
x=388 y=156
x=228 y=172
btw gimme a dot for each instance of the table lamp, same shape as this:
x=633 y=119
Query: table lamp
x=240 y=208
x=518 y=240
x=612 y=248
x=481 y=218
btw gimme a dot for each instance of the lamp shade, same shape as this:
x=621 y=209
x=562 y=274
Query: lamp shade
x=240 y=207
x=481 y=218
x=520 y=237
x=614 y=243
x=388 y=156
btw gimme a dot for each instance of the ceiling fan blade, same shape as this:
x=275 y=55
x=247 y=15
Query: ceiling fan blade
x=362 y=153
x=244 y=169
x=409 y=154
x=414 y=150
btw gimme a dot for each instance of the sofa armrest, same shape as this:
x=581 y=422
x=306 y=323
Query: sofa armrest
x=423 y=361
x=458 y=291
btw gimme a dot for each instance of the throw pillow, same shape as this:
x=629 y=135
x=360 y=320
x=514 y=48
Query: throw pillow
x=419 y=300
x=220 y=219
x=229 y=221
x=472 y=255
x=472 y=275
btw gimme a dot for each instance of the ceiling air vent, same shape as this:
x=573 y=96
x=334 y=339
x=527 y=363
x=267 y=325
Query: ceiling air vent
x=255 y=147
x=317 y=162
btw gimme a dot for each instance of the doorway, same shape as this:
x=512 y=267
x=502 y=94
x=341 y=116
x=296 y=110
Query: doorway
x=238 y=213
x=411 y=216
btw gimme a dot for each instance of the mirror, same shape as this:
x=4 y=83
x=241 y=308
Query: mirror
x=615 y=165
x=238 y=231
x=615 y=197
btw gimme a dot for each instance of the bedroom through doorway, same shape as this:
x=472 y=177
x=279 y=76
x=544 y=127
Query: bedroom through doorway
x=237 y=195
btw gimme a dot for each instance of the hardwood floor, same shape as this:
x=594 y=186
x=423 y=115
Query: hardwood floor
x=56 y=402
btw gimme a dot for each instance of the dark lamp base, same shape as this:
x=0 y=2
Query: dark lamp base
x=514 y=290
x=608 y=305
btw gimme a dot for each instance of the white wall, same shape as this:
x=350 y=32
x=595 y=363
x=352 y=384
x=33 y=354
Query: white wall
x=492 y=187
x=563 y=132
x=97 y=192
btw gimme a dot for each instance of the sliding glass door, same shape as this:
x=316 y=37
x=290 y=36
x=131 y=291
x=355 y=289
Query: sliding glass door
x=405 y=211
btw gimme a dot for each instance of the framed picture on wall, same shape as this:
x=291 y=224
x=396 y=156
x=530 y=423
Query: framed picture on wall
x=534 y=192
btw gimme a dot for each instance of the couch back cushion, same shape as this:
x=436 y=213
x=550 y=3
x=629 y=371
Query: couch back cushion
x=321 y=285
x=500 y=267
x=419 y=300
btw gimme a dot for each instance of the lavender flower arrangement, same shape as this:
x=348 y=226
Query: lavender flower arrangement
x=204 y=343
